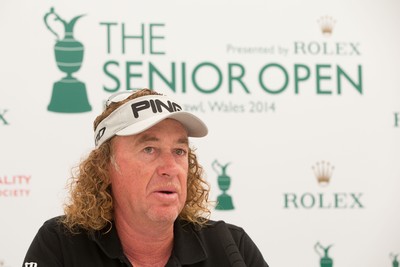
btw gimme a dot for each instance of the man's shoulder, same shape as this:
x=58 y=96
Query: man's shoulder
x=223 y=227
x=54 y=224
x=55 y=221
x=221 y=223
x=55 y=227
x=217 y=228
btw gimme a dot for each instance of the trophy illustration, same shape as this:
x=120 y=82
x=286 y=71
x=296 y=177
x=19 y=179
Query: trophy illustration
x=224 y=181
x=395 y=262
x=325 y=260
x=69 y=94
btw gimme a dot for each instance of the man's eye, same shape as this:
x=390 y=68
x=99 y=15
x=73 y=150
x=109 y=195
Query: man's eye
x=148 y=150
x=180 y=152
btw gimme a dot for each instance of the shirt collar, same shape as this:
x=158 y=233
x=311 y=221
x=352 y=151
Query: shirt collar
x=107 y=239
x=188 y=248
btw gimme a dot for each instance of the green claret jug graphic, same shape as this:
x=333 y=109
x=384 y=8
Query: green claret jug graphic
x=224 y=181
x=395 y=262
x=69 y=94
x=325 y=260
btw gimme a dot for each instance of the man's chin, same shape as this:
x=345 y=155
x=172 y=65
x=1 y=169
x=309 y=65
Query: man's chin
x=165 y=215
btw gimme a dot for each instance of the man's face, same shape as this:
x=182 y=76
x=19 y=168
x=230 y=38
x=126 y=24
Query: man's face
x=149 y=173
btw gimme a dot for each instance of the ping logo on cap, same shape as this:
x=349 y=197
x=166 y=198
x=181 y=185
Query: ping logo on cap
x=156 y=106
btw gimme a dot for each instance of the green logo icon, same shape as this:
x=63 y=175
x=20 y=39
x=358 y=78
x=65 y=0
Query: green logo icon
x=69 y=94
x=2 y=116
x=224 y=201
x=395 y=262
x=325 y=261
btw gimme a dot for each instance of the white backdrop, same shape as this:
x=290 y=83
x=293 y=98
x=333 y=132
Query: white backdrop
x=282 y=100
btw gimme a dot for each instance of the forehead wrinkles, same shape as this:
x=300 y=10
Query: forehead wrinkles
x=153 y=138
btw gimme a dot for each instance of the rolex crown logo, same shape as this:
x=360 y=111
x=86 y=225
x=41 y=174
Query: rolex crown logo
x=323 y=172
x=326 y=23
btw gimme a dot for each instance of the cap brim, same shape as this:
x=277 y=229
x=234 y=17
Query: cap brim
x=194 y=125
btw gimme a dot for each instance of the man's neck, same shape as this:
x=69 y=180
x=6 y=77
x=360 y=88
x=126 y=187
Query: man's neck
x=146 y=245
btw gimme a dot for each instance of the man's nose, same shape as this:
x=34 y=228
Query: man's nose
x=167 y=164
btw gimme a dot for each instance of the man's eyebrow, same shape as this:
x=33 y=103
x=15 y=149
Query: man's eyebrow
x=147 y=138
x=183 y=140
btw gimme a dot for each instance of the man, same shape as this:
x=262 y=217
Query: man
x=139 y=199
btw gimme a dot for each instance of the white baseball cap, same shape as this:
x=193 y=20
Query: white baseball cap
x=141 y=113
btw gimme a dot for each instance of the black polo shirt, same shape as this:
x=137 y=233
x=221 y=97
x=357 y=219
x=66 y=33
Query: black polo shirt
x=217 y=244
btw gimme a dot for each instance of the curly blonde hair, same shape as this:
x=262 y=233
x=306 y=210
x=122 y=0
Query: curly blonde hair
x=90 y=205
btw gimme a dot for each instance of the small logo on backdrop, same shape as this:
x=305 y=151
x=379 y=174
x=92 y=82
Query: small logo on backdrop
x=396 y=119
x=395 y=262
x=3 y=263
x=224 y=201
x=325 y=260
x=323 y=172
x=3 y=119
x=15 y=186
x=326 y=24
x=30 y=264
x=69 y=94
